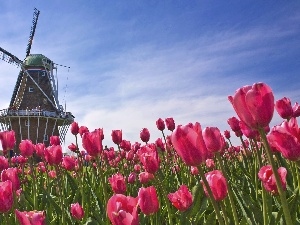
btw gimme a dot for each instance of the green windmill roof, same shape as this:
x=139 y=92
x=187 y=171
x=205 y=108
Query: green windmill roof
x=37 y=60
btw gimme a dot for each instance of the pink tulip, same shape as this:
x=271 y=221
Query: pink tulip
x=132 y=178
x=125 y=145
x=217 y=184
x=52 y=174
x=159 y=143
x=26 y=148
x=82 y=130
x=210 y=164
x=116 y=136
x=145 y=177
x=77 y=211
x=42 y=168
x=160 y=124
x=227 y=134
x=286 y=139
x=254 y=105
x=247 y=131
x=267 y=177
x=118 y=183
x=194 y=170
x=234 y=124
x=122 y=210
x=40 y=149
x=31 y=218
x=54 y=140
x=129 y=155
x=19 y=159
x=189 y=144
x=149 y=158
x=69 y=163
x=12 y=175
x=148 y=200
x=74 y=128
x=284 y=108
x=3 y=163
x=182 y=199
x=6 y=196
x=73 y=147
x=170 y=123
x=213 y=139
x=145 y=135
x=8 y=140
x=136 y=146
x=92 y=142
x=296 y=110
x=53 y=154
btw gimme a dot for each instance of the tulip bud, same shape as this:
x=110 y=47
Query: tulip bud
x=145 y=135
x=160 y=124
x=284 y=108
x=116 y=136
x=77 y=211
x=148 y=200
x=74 y=128
x=54 y=140
x=26 y=148
x=217 y=184
x=170 y=123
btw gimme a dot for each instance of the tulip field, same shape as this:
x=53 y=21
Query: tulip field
x=190 y=175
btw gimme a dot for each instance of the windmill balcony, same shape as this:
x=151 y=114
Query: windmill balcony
x=36 y=113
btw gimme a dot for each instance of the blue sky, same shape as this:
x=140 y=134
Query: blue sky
x=135 y=61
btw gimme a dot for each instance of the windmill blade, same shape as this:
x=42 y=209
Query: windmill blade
x=36 y=14
x=10 y=58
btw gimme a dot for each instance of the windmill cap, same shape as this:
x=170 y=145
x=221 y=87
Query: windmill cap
x=38 y=60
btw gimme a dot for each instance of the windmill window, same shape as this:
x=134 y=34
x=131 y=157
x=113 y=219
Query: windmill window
x=45 y=137
x=30 y=89
x=27 y=123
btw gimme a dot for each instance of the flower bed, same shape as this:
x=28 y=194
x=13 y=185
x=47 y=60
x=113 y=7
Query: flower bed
x=190 y=175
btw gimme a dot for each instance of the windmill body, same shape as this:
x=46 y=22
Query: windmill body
x=34 y=112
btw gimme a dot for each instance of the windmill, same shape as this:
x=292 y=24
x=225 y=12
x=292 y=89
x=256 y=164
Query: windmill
x=34 y=111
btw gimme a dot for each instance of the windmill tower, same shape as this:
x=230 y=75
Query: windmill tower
x=34 y=111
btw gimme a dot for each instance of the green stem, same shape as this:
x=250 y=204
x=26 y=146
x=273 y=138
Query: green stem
x=281 y=192
x=224 y=213
x=165 y=154
x=231 y=199
x=245 y=160
x=264 y=192
x=61 y=179
x=165 y=196
x=102 y=180
x=298 y=177
x=211 y=196
x=34 y=183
